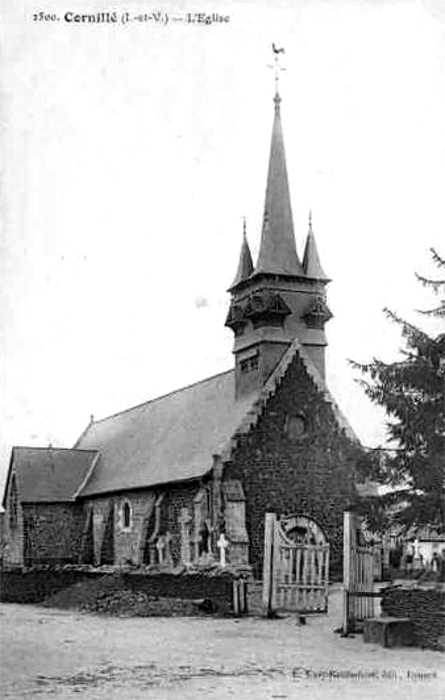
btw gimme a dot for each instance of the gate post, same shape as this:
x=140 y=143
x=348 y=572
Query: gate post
x=269 y=531
x=347 y=567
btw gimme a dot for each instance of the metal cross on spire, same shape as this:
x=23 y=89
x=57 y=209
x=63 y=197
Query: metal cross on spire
x=276 y=64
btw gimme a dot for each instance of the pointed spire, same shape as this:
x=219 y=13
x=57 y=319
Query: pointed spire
x=311 y=260
x=278 y=253
x=245 y=265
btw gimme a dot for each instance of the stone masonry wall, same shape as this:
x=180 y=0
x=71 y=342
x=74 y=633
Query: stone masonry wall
x=130 y=545
x=36 y=586
x=49 y=533
x=114 y=543
x=13 y=538
x=309 y=474
x=177 y=497
x=52 y=533
x=100 y=508
x=425 y=606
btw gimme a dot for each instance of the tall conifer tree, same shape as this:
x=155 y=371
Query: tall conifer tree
x=411 y=390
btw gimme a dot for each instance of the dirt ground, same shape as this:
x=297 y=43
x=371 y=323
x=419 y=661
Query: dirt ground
x=63 y=655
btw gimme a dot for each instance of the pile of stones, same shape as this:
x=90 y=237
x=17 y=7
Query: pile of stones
x=110 y=595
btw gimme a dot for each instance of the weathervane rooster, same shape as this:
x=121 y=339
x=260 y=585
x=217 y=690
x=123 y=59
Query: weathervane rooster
x=276 y=50
x=276 y=65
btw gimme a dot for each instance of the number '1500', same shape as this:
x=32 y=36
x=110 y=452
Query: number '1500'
x=44 y=17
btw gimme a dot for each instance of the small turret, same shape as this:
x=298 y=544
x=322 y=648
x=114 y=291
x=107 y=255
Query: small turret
x=311 y=261
x=245 y=264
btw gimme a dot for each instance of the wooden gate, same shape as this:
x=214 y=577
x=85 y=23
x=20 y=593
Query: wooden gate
x=358 y=575
x=295 y=570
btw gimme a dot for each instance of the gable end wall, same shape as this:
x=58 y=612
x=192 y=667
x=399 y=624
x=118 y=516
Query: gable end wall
x=13 y=538
x=52 y=533
x=313 y=475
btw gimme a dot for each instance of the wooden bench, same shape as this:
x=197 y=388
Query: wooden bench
x=389 y=631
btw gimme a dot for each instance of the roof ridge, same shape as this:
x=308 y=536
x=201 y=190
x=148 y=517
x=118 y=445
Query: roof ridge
x=324 y=390
x=269 y=388
x=258 y=401
x=54 y=449
x=158 y=398
x=87 y=476
x=48 y=474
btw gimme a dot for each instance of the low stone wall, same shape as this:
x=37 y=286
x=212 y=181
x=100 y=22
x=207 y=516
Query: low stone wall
x=193 y=586
x=36 y=586
x=424 y=605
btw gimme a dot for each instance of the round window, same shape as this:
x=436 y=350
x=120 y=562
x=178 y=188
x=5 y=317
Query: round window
x=295 y=427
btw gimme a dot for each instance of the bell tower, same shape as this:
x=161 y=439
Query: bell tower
x=280 y=298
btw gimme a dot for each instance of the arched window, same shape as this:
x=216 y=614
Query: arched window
x=126 y=515
x=13 y=503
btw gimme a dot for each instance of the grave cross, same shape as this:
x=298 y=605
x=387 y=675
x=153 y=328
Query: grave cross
x=222 y=545
x=160 y=546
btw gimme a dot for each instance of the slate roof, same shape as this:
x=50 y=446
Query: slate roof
x=278 y=253
x=245 y=264
x=311 y=259
x=254 y=411
x=49 y=474
x=171 y=438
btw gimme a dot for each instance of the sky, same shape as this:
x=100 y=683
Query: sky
x=132 y=152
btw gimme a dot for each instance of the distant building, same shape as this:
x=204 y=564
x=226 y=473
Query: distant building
x=158 y=483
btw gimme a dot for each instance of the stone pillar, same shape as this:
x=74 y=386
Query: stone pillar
x=235 y=521
x=168 y=558
x=98 y=532
x=155 y=534
x=217 y=496
x=185 y=522
x=200 y=516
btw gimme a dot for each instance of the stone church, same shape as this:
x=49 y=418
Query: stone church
x=157 y=484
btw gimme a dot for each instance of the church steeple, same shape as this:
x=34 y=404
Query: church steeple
x=311 y=261
x=280 y=299
x=245 y=264
x=278 y=253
